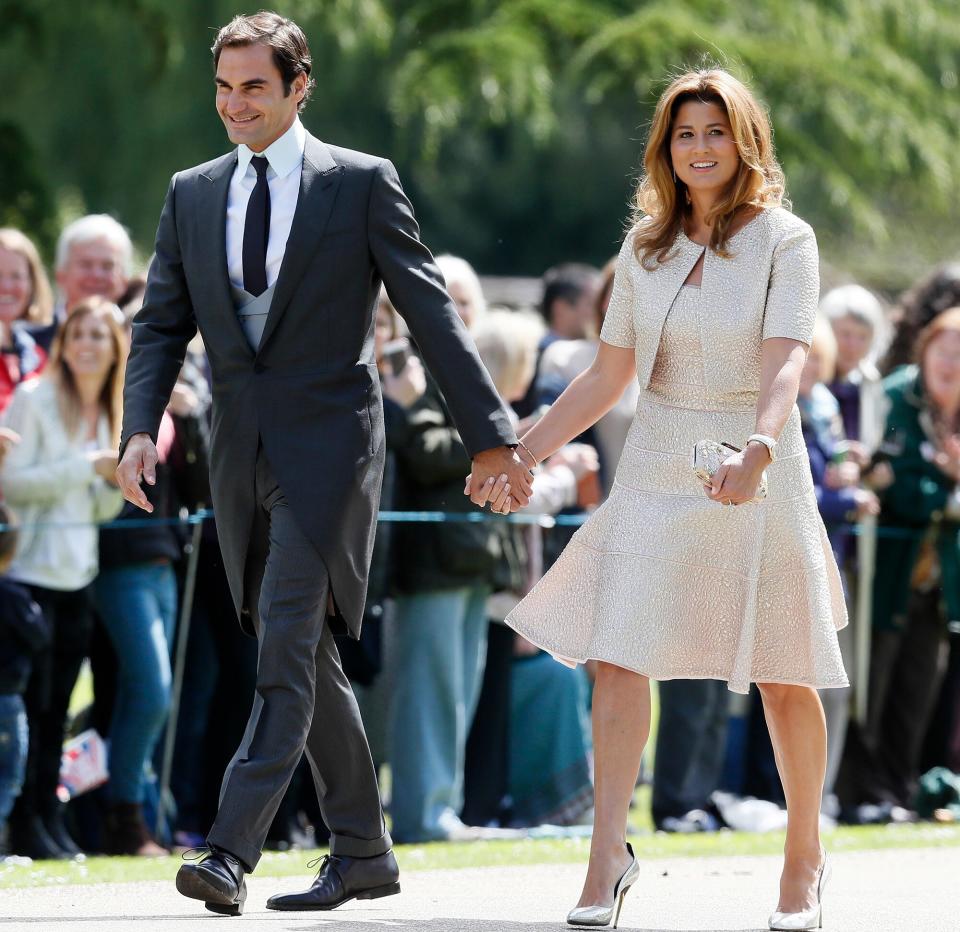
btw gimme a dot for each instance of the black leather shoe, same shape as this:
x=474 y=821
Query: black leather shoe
x=29 y=838
x=341 y=879
x=53 y=822
x=217 y=880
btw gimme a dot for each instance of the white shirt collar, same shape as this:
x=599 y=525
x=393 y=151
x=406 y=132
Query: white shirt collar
x=283 y=154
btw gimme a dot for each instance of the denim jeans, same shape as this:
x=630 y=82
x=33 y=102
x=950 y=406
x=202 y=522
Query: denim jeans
x=439 y=650
x=138 y=606
x=13 y=751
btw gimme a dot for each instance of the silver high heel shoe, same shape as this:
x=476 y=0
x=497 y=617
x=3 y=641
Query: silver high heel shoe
x=602 y=915
x=808 y=919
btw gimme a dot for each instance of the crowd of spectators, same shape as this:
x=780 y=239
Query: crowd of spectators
x=482 y=733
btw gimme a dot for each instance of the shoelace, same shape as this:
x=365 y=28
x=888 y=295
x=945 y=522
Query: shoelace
x=322 y=861
x=202 y=851
x=205 y=851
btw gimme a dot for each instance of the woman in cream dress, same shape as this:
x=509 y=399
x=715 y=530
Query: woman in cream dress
x=713 y=307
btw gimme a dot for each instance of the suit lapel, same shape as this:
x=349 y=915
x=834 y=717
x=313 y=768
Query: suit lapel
x=214 y=187
x=319 y=183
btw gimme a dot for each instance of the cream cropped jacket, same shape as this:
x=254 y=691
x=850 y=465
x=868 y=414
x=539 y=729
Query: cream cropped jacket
x=769 y=287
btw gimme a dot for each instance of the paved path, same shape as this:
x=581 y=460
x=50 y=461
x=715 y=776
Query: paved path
x=892 y=891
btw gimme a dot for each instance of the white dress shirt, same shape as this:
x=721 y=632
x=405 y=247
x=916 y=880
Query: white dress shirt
x=285 y=158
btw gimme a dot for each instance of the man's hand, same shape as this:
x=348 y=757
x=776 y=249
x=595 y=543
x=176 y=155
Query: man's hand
x=139 y=461
x=501 y=479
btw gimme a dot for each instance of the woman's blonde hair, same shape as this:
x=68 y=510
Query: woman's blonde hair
x=507 y=343
x=111 y=394
x=662 y=197
x=40 y=307
x=459 y=271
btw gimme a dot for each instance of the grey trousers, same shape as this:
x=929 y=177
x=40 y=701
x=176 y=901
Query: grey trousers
x=303 y=701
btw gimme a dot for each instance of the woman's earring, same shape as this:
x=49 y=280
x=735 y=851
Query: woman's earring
x=674 y=174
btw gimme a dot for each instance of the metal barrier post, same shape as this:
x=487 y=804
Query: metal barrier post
x=180 y=658
x=863 y=616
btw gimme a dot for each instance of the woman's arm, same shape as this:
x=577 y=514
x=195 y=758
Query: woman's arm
x=781 y=362
x=585 y=400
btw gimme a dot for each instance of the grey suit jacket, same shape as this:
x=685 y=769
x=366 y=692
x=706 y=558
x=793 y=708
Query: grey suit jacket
x=310 y=394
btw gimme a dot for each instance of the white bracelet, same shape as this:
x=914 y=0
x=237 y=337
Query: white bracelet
x=769 y=442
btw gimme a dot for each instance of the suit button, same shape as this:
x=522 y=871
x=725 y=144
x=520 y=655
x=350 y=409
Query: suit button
x=259 y=367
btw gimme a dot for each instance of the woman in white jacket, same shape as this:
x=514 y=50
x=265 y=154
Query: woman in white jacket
x=60 y=480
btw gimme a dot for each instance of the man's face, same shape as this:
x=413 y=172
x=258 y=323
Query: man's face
x=92 y=269
x=575 y=319
x=250 y=96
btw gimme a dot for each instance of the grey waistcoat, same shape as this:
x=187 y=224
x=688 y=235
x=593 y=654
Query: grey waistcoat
x=252 y=312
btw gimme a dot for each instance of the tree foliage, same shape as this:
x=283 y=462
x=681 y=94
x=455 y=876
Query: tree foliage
x=518 y=126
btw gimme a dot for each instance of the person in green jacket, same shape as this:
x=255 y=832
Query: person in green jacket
x=917 y=581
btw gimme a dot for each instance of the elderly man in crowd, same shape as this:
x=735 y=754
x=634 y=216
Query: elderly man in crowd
x=94 y=259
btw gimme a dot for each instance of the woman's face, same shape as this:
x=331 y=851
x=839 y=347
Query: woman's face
x=88 y=349
x=854 y=339
x=702 y=148
x=941 y=369
x=16 y=289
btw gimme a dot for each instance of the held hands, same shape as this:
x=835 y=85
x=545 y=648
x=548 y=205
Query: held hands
x=139 y=462
x=501 y=479
x=736 y=481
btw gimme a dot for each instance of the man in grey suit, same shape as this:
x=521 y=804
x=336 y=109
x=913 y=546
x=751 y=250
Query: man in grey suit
x=276 y=252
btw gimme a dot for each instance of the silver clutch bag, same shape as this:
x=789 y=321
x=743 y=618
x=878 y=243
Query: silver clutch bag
x=708 y=457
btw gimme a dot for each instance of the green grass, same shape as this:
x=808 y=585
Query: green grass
x=492 y=854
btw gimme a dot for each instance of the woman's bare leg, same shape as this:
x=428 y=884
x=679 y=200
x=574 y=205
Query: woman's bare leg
x=798 y=732
x=621 y=726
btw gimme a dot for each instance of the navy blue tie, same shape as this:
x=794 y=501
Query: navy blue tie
x=256 y=231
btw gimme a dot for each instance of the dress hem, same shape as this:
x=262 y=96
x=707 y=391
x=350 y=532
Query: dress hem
x=785 y=681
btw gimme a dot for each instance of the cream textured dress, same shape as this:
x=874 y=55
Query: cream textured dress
x=660 y=579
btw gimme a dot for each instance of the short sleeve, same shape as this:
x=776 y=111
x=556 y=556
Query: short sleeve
x=794 y=290
x=618 y=322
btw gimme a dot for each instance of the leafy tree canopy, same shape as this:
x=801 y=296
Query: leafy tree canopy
x=518 y=126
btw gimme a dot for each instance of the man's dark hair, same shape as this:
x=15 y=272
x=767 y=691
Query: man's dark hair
x=566 y=282
x=8 y=537
x=282 y=36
